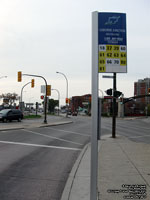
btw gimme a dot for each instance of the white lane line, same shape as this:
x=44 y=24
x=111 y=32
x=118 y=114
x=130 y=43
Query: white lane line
x=39 y=145
x=68 y=131
x=36 y=133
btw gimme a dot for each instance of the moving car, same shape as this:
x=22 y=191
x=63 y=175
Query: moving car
x=10 y=114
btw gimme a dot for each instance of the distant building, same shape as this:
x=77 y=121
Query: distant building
x=141 y=88
x=81 y=102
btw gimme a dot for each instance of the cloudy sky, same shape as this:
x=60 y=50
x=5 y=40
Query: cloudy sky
x=44 y=36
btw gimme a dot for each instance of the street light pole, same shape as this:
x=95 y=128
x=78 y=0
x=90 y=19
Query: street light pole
x=66 y=91
x=58 y=98
x=45 y=106
x=21 y=95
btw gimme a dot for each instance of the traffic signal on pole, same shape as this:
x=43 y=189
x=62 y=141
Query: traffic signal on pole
x=19 y=76
x=117 y=94
x=67 y=100
x=48 y=90
x=42 y=96
x=109 y=92
x=32 y=83
x=148 y=90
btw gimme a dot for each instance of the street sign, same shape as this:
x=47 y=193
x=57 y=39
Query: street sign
x=108 y=76
x=112 y=43
x=43 y=89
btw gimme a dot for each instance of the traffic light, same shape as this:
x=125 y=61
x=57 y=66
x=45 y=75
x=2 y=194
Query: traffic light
x=67 y=100
x=117 y=94
x=19 y=76
x=32 y=83
x=48 y=90
x=148 y=90
x=109 y=92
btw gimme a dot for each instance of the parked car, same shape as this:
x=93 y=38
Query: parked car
x=10 y=114
x=69 y=112
x=74 y=113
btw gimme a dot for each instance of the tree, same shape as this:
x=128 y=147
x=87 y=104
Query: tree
x=52 y=104
x=9 y=98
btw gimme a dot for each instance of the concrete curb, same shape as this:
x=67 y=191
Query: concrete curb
x=55 y=124
x=69 y=184
x=34 y=126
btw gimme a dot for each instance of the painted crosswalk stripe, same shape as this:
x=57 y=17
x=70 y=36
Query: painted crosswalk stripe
x=52 y=137
x=39 y=145
x=76 y=133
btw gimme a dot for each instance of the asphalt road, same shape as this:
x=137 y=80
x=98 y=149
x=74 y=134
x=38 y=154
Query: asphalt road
x=35 y=163
x=137 y=130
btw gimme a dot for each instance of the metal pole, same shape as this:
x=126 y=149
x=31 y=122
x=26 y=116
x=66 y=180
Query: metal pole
x=114 y=108
x=94 y=142
x=66 y=91
x=101 y=93
x=22 y=93
x=99 y=118
x=45 y=101
x=58 y=98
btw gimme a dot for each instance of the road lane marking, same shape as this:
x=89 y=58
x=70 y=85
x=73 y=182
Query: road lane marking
x=36 y=133
x=68 y=131
x=39 y=145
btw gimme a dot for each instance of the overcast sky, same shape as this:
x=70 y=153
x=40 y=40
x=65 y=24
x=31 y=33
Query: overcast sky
x=44 y=36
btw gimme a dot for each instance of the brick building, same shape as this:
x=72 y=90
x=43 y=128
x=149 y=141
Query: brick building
x=141 y=88
x=80 y=101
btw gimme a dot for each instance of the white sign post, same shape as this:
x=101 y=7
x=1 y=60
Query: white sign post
x=109 y=55
x=94 y=142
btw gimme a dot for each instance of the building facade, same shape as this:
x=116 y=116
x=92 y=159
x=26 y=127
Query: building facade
x=141 y=88
x=80 y=101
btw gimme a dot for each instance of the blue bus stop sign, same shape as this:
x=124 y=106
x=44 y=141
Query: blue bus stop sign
x=112 y=42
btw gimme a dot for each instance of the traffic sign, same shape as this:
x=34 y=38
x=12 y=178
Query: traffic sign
x=108 y=76
x=112 y=43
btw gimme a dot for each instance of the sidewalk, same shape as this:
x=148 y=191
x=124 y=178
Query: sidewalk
x=32 y=123
x=123 y=171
